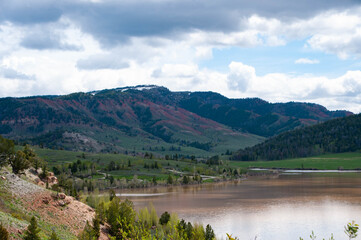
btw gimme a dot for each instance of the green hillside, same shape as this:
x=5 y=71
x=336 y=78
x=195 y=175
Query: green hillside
x=334 y=136
x=152 y=119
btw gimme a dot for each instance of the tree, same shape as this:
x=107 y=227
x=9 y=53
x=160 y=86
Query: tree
x=170 y=179
x=29 y=153
x=164 y=218
x=32 y=231
x=154 y=180
x=127 y=211
x=198 y=232
x=6 y=151
x=87 y=233
x=19 y=163
x=100 y=212
x=96 y=227
x=4 y=235
x=185 y=179
x=113 y=214
x=112 y=194
x=44 y=172
x=53 y=236
x=209 y=233
x=111 y=180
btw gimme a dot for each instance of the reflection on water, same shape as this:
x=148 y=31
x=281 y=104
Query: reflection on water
x=281 y=208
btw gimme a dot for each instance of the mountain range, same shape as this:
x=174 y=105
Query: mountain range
x=154 y=119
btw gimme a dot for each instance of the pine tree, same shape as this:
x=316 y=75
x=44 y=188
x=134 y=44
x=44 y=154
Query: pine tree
x=32 y=231
x=19 y=163
x=209 y=233
x=53 y=236
x=96 y=227
x=4 y=235
x=6 y=151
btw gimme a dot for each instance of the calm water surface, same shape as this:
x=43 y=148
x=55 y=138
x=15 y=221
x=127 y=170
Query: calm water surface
x=282 y=208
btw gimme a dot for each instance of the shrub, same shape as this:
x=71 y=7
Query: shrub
x=4 y=235
x=32 y=231
x=164 y=218
x=53 y=236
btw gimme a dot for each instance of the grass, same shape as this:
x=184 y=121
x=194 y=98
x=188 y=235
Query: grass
x=58 y=157
x=323 y=162
x=110 y=140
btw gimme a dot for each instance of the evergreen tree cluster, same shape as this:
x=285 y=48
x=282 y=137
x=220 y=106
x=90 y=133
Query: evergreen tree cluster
x=19 y=160
x=334 y=136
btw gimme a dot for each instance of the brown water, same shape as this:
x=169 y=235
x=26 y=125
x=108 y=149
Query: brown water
x=282 y=208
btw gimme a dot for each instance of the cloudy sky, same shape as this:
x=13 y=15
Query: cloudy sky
x=278 y=50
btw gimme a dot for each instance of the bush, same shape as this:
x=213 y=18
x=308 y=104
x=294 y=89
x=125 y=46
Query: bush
x=53 y=236
x=19 y=163
x=164 y=218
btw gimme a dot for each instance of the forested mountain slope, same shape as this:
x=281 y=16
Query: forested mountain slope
x=334 y=136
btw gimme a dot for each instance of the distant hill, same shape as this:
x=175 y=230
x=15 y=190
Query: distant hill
x=255 y=115
x=152 y=118
x=334 y=136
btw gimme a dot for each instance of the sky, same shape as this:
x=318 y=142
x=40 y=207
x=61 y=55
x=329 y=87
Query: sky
x=280 y=50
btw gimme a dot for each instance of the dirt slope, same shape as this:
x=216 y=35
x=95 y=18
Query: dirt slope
x=22 y=199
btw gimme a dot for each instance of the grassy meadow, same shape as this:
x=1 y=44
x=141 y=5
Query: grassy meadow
x=130 y=165
x=324 y=162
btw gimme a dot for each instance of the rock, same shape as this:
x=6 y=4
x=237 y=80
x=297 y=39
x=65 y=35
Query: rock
x=33 y=171
x=41 y=183
x=61 y=203
x=61 y=196
x=68 y=200
x=50 y=174
x=46 y=200
x=3 y=178
x=52 y=179
x=37 y=180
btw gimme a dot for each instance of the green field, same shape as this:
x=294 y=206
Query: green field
x=324 y=162
x=133 y=165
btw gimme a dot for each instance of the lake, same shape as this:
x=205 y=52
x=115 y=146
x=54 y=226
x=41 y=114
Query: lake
x=283 y=207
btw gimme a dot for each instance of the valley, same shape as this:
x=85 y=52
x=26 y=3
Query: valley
x=181 y=151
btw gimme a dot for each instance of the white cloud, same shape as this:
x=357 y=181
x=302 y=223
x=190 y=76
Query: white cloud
x=101 y=61
x=174 y=61
x=10 y=73
x=307 y=61
x=331 y=32
x=240 y=76
x=176 y=70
